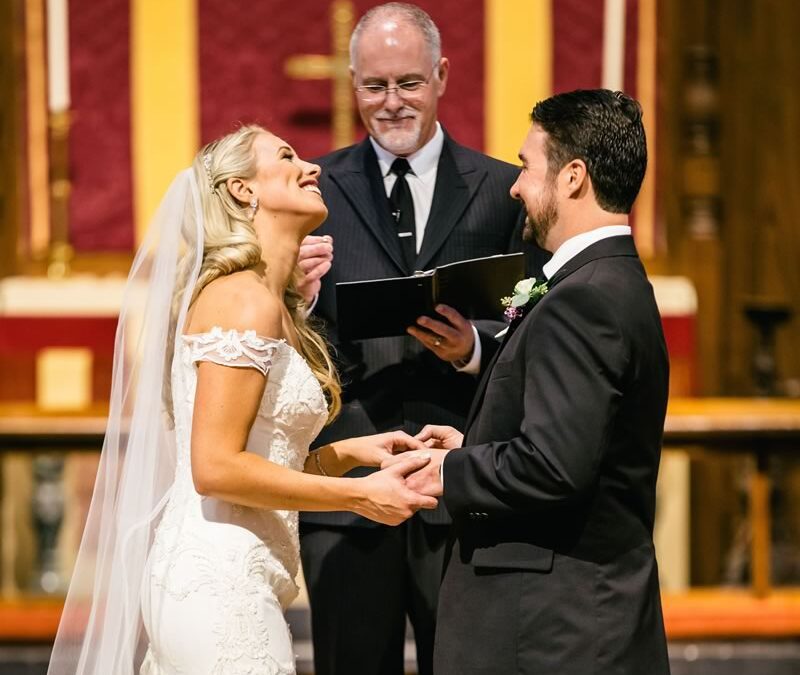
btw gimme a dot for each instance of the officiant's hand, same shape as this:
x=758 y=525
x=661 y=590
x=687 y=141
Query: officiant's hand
x=451 y=340
x=314 y=260
x=426 y=480
x=373 y=450
x=385 y=496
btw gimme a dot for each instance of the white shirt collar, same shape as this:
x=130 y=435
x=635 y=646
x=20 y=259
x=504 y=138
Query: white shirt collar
x=574 y=245
x=423 y=161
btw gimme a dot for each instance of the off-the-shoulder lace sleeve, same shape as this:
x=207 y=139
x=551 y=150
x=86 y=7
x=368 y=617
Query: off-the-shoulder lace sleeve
x=233 y=348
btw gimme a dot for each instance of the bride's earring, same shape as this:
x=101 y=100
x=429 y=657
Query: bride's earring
x=254 y=206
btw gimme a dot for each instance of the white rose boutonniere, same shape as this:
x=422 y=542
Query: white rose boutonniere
x=526 y=294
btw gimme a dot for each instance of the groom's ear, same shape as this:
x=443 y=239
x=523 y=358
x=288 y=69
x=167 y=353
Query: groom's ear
x=575 y=178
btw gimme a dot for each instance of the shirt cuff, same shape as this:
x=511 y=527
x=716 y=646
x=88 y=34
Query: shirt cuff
x=473 y=365
x=313 y=304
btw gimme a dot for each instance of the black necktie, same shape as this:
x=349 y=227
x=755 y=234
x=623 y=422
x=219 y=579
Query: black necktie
x=402 y=205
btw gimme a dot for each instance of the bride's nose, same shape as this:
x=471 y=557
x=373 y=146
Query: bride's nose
x=312 y=169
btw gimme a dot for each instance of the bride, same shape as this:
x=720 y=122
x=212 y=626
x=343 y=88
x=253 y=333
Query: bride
x=190 y=549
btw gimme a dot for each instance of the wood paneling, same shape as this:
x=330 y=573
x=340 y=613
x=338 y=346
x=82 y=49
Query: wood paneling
x=760 y=59
x=729 y=200
x=729 y=134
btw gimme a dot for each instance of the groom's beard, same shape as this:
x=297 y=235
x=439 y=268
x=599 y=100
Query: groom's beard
x=541 y=217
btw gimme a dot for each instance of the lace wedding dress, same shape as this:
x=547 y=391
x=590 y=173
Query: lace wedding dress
x=220 y=576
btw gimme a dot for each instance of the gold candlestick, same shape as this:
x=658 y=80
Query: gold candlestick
x=60 y=251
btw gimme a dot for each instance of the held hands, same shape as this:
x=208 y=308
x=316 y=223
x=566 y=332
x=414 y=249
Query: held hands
x=386 y=496
x=439 y=440
x=410 y=471
x=450 y=340
x=426 y=480
x=373 y=450
x=314 y=260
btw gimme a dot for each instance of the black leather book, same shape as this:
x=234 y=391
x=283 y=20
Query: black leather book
x=386 y=307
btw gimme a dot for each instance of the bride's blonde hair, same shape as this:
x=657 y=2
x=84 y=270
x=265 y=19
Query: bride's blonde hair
x=231 y=245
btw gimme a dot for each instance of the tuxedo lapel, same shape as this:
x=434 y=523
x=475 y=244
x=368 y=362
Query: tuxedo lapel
x=457 y=181
x=362 y=185
x=477 y=400
x=605 y=248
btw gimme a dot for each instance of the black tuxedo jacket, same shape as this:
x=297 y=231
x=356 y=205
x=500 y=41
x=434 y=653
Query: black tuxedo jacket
x=552 y=568
x=395 y=383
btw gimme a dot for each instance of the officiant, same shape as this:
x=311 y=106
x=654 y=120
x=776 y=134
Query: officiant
x=408 y=197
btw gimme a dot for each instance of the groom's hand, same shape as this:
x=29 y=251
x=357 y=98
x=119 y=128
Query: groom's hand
x=440 y=436
x=427 y=479
x=386 y=498
x=451 y=340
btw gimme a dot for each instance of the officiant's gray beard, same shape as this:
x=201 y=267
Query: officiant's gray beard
x=400 y=143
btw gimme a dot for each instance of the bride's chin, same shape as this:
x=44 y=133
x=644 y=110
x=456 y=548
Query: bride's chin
x=315 y=219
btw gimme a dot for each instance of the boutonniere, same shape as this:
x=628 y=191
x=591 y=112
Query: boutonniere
x=526 y=294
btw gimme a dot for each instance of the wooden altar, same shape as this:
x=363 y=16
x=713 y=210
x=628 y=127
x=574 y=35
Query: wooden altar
x=760 y=428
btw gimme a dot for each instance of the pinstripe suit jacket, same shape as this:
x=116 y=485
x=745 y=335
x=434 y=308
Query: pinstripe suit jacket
x=395 y=383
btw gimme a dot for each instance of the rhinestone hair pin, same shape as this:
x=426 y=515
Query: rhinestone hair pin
x=207 y=165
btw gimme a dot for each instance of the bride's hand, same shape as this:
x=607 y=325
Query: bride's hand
x=439 y=436
x=374 y=450
x=386 y=499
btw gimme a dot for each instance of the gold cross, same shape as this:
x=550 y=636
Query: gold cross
x=336 y=67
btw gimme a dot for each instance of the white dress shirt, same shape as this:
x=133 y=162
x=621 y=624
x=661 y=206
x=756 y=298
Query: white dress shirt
x=574 y=245
x=421 y=179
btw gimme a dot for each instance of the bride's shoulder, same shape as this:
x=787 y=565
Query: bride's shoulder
x=240 y=302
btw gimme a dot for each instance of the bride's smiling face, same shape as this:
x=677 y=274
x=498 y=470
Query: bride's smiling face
x=284 y=183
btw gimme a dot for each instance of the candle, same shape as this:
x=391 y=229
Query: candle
x=57 y=56
x=614 y=45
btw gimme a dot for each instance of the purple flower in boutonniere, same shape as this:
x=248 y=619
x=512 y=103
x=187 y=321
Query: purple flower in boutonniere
x=526 y=294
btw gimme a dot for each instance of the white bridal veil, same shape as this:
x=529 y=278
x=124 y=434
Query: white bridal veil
x=101 y=630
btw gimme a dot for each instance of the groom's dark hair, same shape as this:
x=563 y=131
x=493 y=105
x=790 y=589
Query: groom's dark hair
x=604 y=129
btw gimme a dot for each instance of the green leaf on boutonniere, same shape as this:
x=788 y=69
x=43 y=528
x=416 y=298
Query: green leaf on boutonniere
x=525 y=295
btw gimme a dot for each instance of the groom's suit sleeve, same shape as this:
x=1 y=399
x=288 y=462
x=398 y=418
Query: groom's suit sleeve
x=570 y=372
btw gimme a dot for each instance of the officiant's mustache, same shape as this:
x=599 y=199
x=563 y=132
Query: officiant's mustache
x=403 y=113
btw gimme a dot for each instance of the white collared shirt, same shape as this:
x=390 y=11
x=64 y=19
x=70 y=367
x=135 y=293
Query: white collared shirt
x=421 y=179
x=574 y=245
x=422 y=182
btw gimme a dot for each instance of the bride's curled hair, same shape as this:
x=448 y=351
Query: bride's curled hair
x=231 y=245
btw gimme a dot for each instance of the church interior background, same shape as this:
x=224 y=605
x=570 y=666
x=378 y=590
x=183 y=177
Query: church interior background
x=103 y=101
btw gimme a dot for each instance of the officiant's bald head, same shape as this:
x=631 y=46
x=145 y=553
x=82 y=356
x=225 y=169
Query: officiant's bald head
x=399 y=12
x=398 y=75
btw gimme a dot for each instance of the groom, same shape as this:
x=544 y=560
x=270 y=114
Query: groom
x=552 y=567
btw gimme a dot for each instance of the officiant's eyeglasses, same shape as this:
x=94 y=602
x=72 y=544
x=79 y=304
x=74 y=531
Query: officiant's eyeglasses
x=407 y=90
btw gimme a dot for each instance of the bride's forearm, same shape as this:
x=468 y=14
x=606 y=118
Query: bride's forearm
x=250 y=480
x=333 y=459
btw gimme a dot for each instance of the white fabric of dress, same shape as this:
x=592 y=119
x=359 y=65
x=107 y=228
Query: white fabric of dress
x=220 y=576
